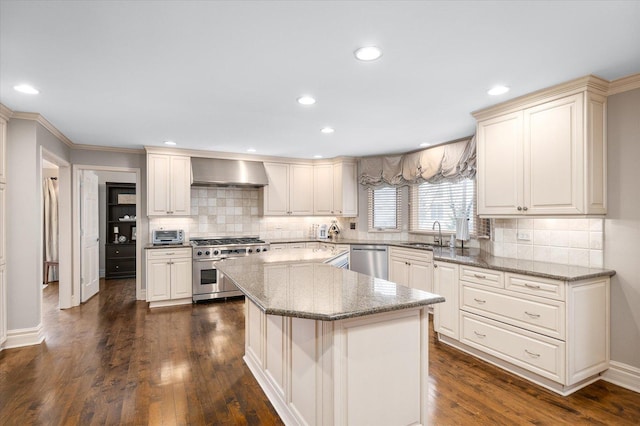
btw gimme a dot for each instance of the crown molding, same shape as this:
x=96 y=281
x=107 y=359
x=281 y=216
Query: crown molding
x=592 y=83
x=5 y=112
x=624 y=84
x=103 y=148
x=44 y=123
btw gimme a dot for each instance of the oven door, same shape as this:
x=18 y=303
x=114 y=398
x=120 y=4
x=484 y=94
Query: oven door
x=209 y=283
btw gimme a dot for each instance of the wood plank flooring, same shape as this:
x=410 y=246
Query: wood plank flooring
x=114 y=361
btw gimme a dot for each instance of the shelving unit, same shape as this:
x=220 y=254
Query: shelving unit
x=120 y=248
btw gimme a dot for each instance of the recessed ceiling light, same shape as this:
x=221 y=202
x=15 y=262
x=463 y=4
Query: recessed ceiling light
x=251 y=150
x=368 y=53
x=172 y=143
x=327 y=130
x=498 y=90
x=423 y=144
x=306 y=100
x=317 y=156
x=25 y=88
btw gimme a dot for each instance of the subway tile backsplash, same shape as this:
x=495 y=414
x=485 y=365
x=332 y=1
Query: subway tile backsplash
x=220 y=211
x=567 y=241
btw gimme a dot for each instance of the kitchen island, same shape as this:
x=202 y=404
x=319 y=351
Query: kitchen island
x=331 y=346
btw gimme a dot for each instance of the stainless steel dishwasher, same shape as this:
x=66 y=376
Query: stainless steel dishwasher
x=370 y=260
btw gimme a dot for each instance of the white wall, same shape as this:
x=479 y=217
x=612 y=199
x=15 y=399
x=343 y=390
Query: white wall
x=622 y=224
x=24 y=219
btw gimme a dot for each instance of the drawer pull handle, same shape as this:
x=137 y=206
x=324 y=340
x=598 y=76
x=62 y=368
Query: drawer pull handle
x=480 y=276
x=532 y=315
x=169 y=254
x=479 y=334
x=532 y=286
x=532 y=354
x=479 y=300
x=117 y=251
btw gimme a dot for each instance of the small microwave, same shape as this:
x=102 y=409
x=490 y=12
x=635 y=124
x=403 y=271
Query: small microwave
x=167 y=236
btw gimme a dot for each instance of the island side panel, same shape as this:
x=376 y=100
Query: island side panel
x=381 y=368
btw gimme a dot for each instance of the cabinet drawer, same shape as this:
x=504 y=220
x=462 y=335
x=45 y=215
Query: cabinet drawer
x=412 y=254
x=168 y=253
x=124 y=250
x=552 y=289
x=117 y=267
x=482 y=276
x=541 y=316
x=539 y=354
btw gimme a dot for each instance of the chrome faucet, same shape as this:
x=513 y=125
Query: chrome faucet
x=439 y=240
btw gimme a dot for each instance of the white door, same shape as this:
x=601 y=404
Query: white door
x=89 y=255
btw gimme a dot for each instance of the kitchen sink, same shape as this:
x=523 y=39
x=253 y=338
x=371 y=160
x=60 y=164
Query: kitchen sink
x=422 y=245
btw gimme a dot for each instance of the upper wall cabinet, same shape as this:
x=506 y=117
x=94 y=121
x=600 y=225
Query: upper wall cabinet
x=168 y=185
x=289 y=191
x=335 y=189
x=545 y=153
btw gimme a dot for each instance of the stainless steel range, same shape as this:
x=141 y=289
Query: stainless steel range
x=208 y=283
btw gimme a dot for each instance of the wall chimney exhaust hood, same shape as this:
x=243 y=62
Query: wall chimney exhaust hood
x=220 y=172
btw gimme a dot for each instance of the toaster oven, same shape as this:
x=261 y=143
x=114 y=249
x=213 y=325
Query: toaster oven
x=167 y=236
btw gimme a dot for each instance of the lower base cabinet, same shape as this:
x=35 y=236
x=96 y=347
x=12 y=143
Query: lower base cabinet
x=552 y=332
x=169 y=275
x=305 y=370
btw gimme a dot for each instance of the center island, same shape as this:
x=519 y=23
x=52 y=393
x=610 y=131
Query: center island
x=331 y=346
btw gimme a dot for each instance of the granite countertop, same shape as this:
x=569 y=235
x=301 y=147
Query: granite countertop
x=297 y=283
x=150 y=246
x=474 y=257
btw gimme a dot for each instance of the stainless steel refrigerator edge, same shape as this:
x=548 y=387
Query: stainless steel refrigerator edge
x=370 y=260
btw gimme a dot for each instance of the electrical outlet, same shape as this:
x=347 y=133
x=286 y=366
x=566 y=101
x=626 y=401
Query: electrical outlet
x=352 y=225
x=524 y=236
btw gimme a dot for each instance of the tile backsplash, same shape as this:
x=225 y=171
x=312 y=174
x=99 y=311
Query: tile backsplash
x=567 y=241
x=220 y=211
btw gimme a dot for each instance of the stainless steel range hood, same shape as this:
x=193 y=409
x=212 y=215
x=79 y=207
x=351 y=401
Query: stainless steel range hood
x=219 y=172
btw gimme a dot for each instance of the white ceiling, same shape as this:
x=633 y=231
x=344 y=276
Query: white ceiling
x=225 y=76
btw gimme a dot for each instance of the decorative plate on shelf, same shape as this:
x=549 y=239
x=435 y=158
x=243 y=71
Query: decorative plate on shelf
x=122 y=238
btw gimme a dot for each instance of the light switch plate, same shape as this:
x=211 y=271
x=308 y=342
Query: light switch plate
x=524 y=236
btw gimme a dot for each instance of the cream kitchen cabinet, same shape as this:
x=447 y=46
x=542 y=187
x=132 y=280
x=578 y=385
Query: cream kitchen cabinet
x=3 y=304
x=3 y=231
x=168 y=185
x=544 y=154
x=335 y=189
x=169 y=276
x=283 y=246
x=290 y=190
x=552 y=332
x=411 y=268
x=446 y=315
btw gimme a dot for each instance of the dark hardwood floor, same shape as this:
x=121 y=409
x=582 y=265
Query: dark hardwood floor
x=113 y=361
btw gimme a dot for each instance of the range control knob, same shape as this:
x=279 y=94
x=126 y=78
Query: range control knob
x=250 y=250
x=207 y=252
x=258 y=250
x=264 y=249
x=199 y=253
x=216 y=252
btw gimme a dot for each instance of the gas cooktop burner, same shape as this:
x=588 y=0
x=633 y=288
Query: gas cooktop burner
x=226 y=241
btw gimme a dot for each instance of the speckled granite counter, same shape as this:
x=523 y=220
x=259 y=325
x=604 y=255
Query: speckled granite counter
x=296 y=283
x=166 y=246
x=474 y=257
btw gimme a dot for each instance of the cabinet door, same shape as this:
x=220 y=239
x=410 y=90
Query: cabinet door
x=399 y=271
x=420 y=275
x=3 y=233
x=553 y=157
x=181 y=278
x=276 y=194
x=445 y=284
x=158 y=175
x=345 y=189
x=301 y=190
x=158 y=280
x=3 y=304
x=180 y=186
x=323 y=189
x=500 y=165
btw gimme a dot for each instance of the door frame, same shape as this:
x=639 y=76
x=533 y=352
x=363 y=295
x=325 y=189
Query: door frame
x=74 y=294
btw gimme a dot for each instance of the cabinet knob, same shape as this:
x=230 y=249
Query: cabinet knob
x=117 y=267
x=435 y=266
x=117 y=251
x=525 y=208
x=519 y=208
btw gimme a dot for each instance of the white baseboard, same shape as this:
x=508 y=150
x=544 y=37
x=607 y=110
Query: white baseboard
x=24 y=337
x=142 y=295
x=623 y=375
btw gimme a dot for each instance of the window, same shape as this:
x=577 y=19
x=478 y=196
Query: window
x=445 y=202
x=384 y=209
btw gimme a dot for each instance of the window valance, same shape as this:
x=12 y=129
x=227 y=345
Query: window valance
x=451 y=162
